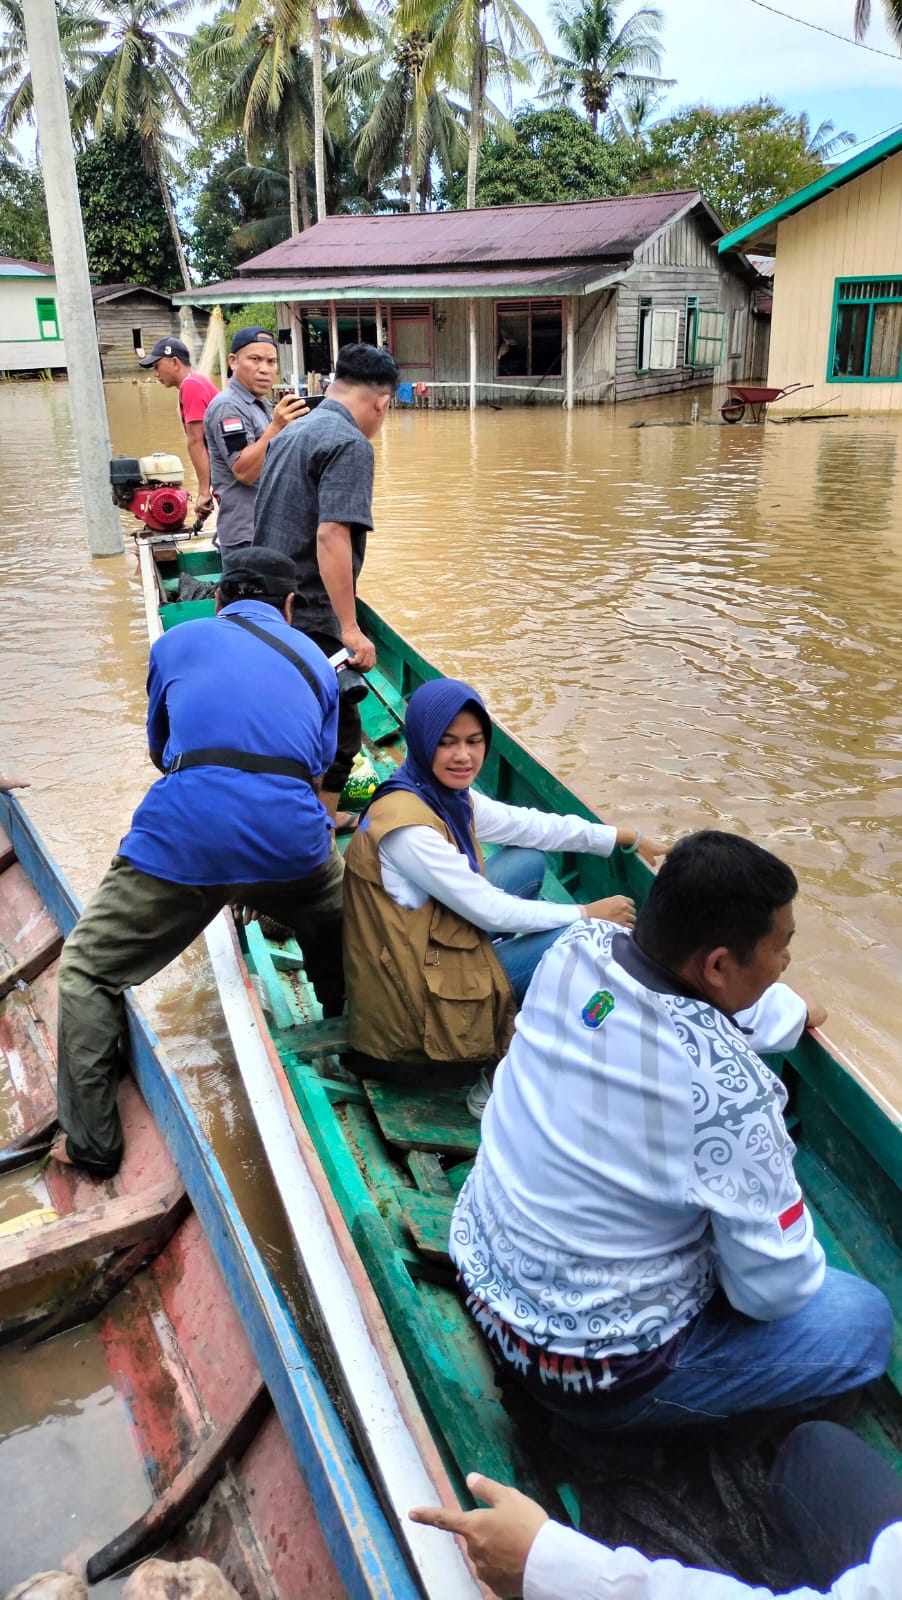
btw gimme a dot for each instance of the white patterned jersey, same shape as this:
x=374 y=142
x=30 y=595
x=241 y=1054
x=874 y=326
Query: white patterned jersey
x=633 y=1155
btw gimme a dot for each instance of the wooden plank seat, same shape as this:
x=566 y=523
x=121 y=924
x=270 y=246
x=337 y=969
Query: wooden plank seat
x=32 y=964
x=428 y=1216
x=436 y=1119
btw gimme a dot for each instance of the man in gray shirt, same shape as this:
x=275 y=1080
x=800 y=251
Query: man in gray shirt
x=238 y=425
x=314 y=505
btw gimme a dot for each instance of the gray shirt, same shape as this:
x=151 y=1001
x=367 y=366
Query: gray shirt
x=235 y=418
x=319 y=469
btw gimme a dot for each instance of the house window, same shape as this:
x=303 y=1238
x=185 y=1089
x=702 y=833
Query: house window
x=737 y=324
x=658 y=337
x=48 y=323
x=867 y=330
x=707 y=338
x=691 y=320
x=643 y=343
x=137 y=344
x=528 y=338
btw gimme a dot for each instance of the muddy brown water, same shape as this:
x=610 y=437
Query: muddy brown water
x=692 y=625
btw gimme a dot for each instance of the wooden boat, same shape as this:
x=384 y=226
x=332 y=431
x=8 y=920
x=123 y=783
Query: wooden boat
x=195 y=1335
x=385 y=1164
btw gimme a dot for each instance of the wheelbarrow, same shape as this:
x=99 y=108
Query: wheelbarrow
x=756 y=397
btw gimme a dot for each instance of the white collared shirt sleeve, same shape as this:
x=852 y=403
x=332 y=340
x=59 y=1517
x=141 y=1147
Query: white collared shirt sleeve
x=565 y=1565
x=775 y=1022
x=418 y=864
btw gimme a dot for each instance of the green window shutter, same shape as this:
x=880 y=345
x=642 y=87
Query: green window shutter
x=48 y=322
x=707 y=343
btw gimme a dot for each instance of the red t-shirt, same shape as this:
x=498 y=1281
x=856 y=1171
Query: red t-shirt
x=195 y=394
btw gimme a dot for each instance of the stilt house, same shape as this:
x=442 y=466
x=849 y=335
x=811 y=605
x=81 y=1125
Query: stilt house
x=583 y=302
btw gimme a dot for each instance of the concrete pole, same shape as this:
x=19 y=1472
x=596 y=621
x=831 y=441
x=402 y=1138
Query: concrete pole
x=571 y=347
x=86 y=397
x=333 y=332
x=188 y=331
x=471 y=304
x=379 y=324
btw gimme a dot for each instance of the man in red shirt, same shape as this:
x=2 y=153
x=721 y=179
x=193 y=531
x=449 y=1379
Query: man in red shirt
x=171 y=360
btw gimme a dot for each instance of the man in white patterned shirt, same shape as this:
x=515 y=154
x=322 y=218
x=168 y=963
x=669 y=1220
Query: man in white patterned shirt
x=633 y=1238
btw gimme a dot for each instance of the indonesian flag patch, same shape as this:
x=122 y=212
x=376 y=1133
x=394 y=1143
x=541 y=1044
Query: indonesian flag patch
x=792 y=1216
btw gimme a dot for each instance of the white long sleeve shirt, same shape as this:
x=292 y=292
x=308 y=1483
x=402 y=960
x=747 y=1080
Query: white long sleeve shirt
x=633 y=1154
x=565 y=1565
x=418 y=865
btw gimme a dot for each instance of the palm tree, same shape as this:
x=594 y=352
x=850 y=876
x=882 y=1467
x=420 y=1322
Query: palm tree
x=862 y=16
x=80 y=30
x=637 y=112
x=140 y=83
x=409 y=126
x=483 y=41
x=602 y=56
x=823 y=144
x=269 y=93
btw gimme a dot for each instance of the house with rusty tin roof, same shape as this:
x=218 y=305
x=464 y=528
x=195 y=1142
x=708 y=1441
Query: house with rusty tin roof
x=30 y=335
x=580 y=302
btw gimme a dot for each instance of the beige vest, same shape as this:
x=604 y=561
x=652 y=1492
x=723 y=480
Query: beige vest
x=419 y=983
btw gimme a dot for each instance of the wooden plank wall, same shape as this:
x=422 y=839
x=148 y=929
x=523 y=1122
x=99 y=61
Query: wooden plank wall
x=679 y=262
x=115 y=320
x=855 y=232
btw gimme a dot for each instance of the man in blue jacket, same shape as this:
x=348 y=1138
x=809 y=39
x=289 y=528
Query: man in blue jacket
x=242 y=719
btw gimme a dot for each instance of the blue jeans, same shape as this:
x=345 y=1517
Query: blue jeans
x=833 y=1495
x=729 y=1363
x=520 y=872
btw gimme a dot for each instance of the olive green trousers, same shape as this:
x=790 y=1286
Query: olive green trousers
x=133 y=926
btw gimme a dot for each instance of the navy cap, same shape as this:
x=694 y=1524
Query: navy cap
x=252 y=336
x=166 y=347
x=257 y=564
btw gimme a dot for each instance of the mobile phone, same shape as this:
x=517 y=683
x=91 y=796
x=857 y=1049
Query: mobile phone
x=313 y=400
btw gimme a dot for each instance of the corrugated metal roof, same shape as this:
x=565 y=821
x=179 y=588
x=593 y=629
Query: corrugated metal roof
x=10 y=267
x=580 y=230
x=447 y=283
x=113 y=291
x=761 y=231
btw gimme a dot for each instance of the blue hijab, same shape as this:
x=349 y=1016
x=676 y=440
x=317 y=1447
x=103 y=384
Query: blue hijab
x=430 y=711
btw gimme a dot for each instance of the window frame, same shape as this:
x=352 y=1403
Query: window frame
x=526 y=307
x=689 y=329
x=859 y=301
x=47 y=300
x=736 y=342
x=645 y=302
x=707 y=338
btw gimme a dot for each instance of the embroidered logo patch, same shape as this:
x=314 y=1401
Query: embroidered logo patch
x=232 y=425
x=600 y=1006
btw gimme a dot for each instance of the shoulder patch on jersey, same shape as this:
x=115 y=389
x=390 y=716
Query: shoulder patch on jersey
x=595 y=1010
x=232 y=425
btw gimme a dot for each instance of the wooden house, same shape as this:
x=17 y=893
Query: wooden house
x=577 y=303
x=837 y=288
x=130 y=319
x=30 y=335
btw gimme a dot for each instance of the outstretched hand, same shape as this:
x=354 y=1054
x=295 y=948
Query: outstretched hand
x=498 y=1540
x=615 y=908
x=14 y=783
x=651 y=850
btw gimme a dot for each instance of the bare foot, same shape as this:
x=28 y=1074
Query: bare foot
x=58 y=1152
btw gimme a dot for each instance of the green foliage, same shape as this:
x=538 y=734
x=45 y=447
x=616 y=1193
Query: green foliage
x=554 y=155
x=743 y=159
x=23 y=213
x=255 y=316
x=126 y=230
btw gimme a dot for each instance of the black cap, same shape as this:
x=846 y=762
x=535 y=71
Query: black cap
x=252 y=336
x=166 y=347
x=257 y=564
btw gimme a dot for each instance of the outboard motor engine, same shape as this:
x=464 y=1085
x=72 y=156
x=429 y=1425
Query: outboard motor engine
x=151 y=488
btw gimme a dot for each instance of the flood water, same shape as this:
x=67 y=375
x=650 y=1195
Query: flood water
x=693 y=625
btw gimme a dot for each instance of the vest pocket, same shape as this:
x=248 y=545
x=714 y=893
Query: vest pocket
x=458 y=1022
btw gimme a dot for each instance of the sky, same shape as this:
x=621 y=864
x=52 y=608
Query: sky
x=726 y=51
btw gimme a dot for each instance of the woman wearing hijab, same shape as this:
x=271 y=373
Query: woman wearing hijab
x=431 y=970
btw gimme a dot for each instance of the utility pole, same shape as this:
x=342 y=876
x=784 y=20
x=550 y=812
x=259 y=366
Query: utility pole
x=86 y=397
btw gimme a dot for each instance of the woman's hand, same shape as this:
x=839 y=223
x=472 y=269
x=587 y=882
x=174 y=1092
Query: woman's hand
x=651 y=850
x=616 y=908
x=499 y=1540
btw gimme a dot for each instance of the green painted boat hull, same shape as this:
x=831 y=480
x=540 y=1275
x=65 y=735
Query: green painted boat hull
x=397 y=1158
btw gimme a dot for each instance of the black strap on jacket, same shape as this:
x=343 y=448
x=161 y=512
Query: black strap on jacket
x=278 y=766
x=283 y=649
